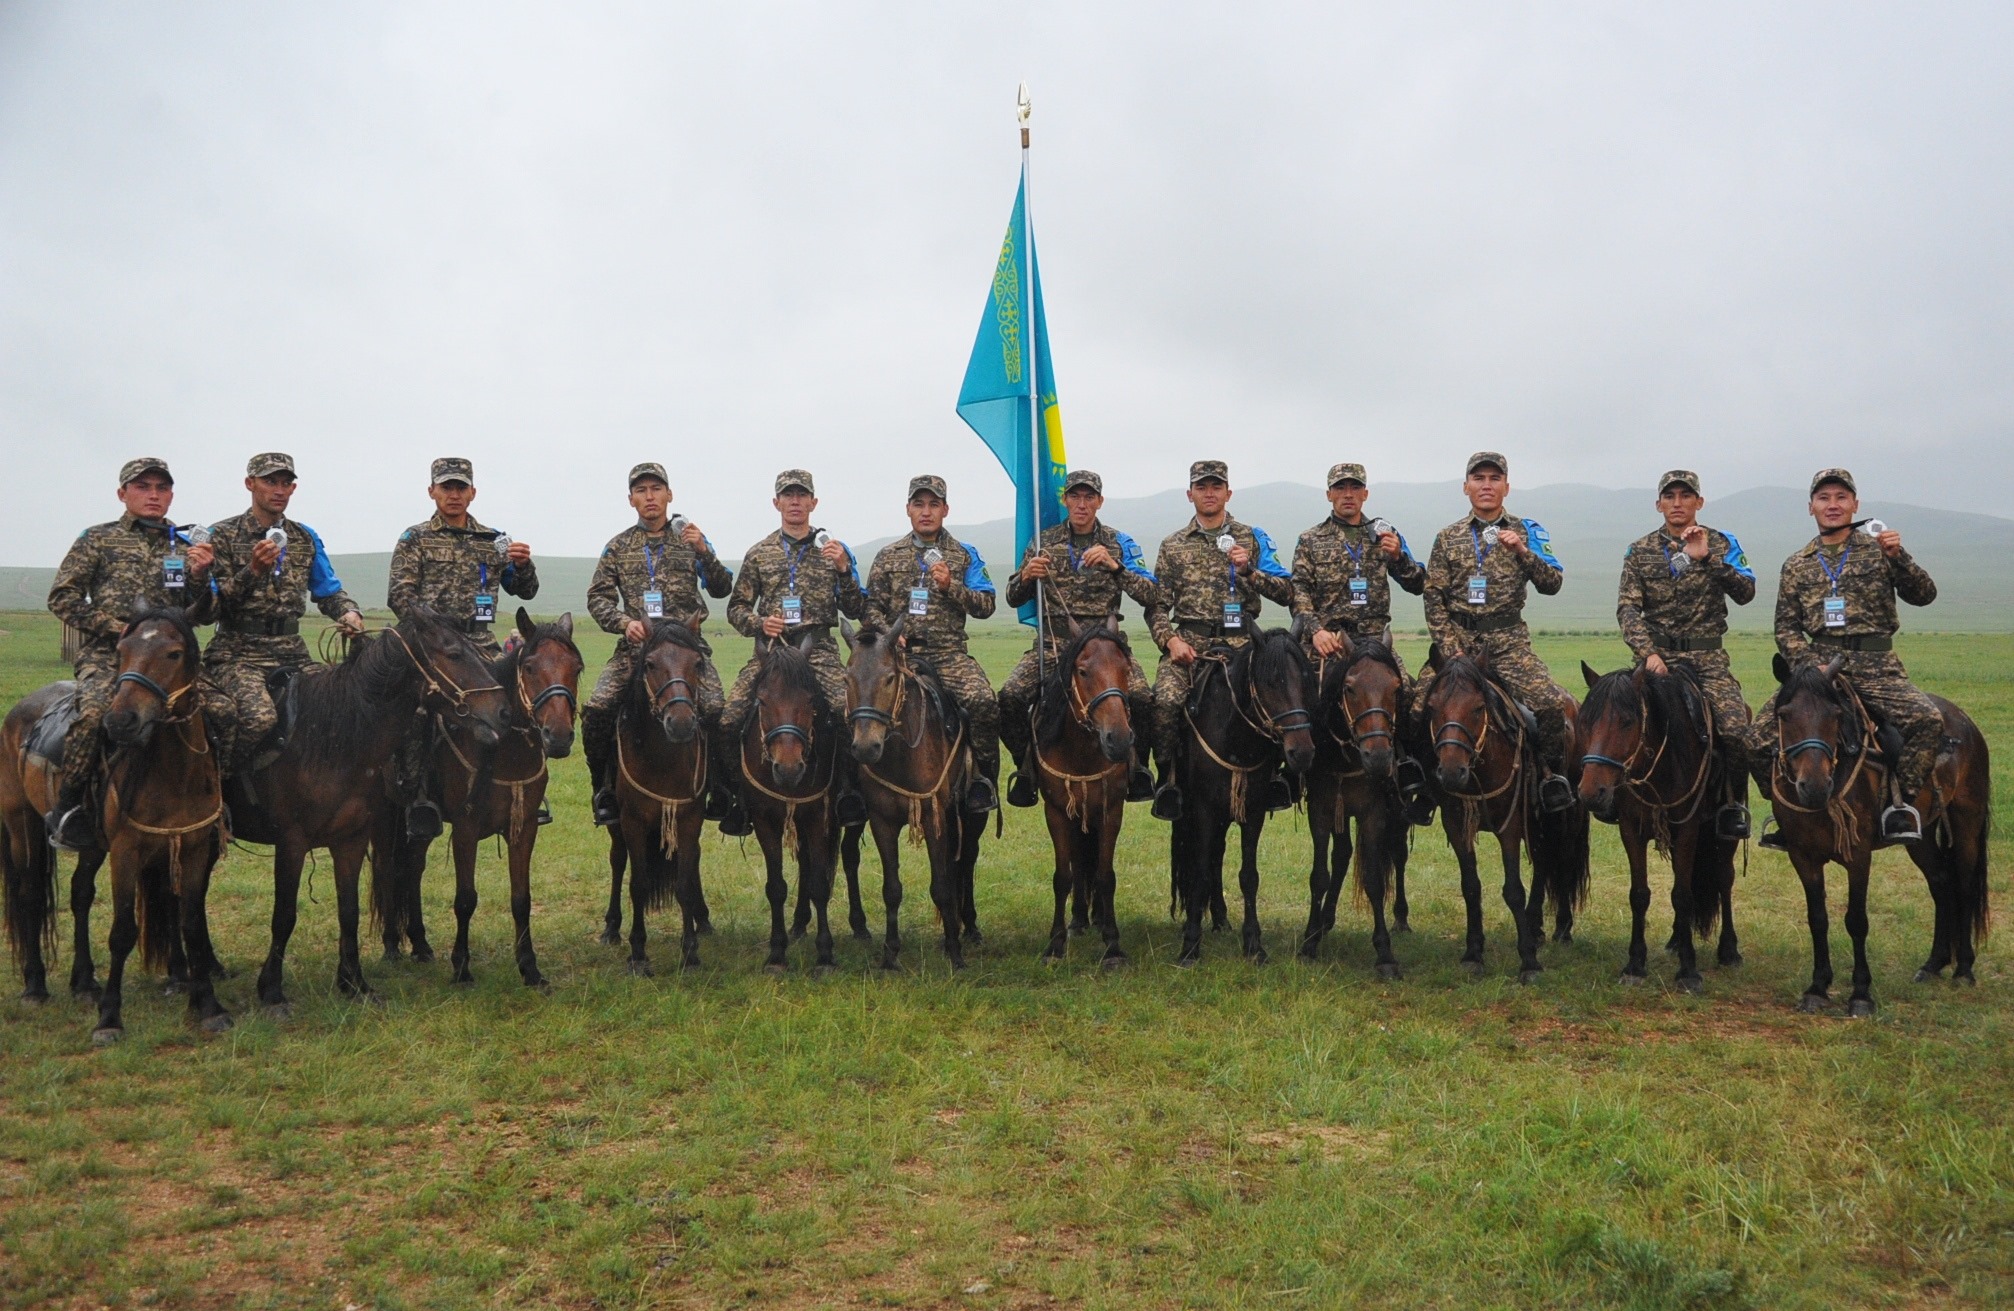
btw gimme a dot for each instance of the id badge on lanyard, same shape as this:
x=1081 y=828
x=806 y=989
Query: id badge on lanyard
x=793 y=611
x=919 y=600
x=174 y=573
x=486 y=608
x=1360 y=590
x=1234 y=615
x=653 y=605
x=1479 y=589
x=1835 y=611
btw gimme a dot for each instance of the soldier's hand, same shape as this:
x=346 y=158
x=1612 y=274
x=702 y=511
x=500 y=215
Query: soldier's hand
x=636 y=630
x=772 y=626
x=693 y=537
x=198 y=558
x=940 y=576
x=1891 y=543
x=1037 y=566
x=519 y=553
x=1507 y=538
x=1655 y=663
x=351 y=623
x=1180 y=651
x=264 y=555
x=1101 y=557
x=1696 y=543
x=1241 y=558
x=1389 y=544
x=835 y=554
x=1327 y=643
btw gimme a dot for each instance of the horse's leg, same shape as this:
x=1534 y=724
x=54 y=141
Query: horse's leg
x=83 y=891
x=1186 y=853
x=800 y=919
x=1811 y=871
x=618 y=858
x=1248 y=884
x=817 y=854
x=1685 y=888
x=849 y=859
x=1966 y=858
x=971 y=830
x=521 y=846
x=288 y=856
x=702 y=914
x=1213 y=868
x=1525 y=907
x=1080 y=876
x=685 y=887
x=1062 y=842
x=1729 y=952
x=1944 y=906
x=1472 y=893
x=1401 y=911
x=1099 y=847
x=1376 y=825
x=1635 y=968
x=944 y=891
x=25 y=864
x=125 y=932
x=413 y=873
x=1321 y=808
x=349 y=860
x=1860 y=1003
x=462 y=845
x=888 y=845
x=204 y=1008
x=778 y=891
x=637 y=835
x=177 y=983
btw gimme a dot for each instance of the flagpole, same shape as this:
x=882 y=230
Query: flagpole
x=1023 y=107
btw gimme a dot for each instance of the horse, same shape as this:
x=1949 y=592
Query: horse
x=915 y=764
x=789 y=759
x=1246 y=715
x=1487 y=772
x=662 y=765
x=1649 y=766
x=1827 y=784
x=1358 y=693
x=327 y=787
x=1081 y=736
x=163 y=822
x=489 y=794
x=28 y=786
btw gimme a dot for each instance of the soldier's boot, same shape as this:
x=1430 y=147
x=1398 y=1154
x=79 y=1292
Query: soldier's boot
x=982 y=794
x=1555 y=793
x=1140 y=779
x=848 y=806
x=1022 y=789
x=607 y=810
x=1731 y=823
x=1283 y=791
x=70 y=824
x=1900 y=821
x=725 y=793
x=423 y=817
x=1167 y=792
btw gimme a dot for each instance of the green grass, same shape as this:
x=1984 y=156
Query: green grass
x=1235 y=1136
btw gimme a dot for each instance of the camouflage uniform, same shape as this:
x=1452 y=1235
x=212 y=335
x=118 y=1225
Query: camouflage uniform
x=259 y=621
x=1328 y=557
x=775 y=568
x=1196 y=585
x=1869 y=582
x=1495 y=628
x=938 y=634
x=446 y=568
x=1089 y=595
x=1678 y=612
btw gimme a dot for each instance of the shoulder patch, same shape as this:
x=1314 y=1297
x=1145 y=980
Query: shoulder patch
x=1737 y=558
x=1540 y=543
x=406 y=536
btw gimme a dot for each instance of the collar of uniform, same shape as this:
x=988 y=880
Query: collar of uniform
x=648 y=531
x=1346 y=526
x=1503 y=520
x=472 y=527
x=1196 y=526
x=785 y=539
x=129 y=520
x=921 y=545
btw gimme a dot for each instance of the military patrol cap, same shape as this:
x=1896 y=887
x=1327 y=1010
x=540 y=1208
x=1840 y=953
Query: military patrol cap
x=798 y=478
x=927 y=482
x=1480 y=458
x=259 y=466
x=1841 y=476
x=1347 y=472
x=1685 y=478
x=132 y=469
x=1083 y=478
x=1204 y=470
x=453 y=469
x=648 y=469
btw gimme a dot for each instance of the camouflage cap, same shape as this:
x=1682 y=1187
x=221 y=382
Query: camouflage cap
x=648 y=469
x=1204 y=470
x=1083 y=478
x=453 y=469
x=927 y=482
x=1347 y=472
x=1685 y=478
x=798 y=478
x=1841 y=476
x=132 y=469
x=1480 y=458
x=269 y=463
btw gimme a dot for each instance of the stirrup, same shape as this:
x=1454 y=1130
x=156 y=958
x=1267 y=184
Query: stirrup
x=849 y=808
x=1772 y=836
x=423 y=821
x=607 y=813
x=1021 y=790
x=69 y=830
x=1411 y=778
x=542 y=816
x=1167 y=801
x=1902 y=822
x=1419 y=811
x=981 y=798
x=1730 y=822
x=1555 y=794
x=719 y=803
x=1139 y=784
x=1279 y=795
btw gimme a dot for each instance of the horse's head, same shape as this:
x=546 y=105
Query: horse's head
x=669 y=668
x=1458 y=708
x=158 y=665
x=1813 y=729
x=1097 y=666
x=1280 y=679
x=546 y=670
x=1611 y=729
x=787 y=709
x=1367 y=686
x=874 y=677
x=457 y=680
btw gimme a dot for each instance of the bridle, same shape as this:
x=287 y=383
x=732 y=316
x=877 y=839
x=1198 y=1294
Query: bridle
x=1081 y=709
x=1639 y=785
x=1473 y=745
x=531 y=705
x=1357 y=736
x=438 y=682
x=873 y=714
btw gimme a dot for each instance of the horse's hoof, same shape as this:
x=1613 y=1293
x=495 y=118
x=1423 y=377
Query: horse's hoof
x=1629 y=977
x=797 y=935
x=640 y=969
x=218 y=1023
x=863 y=934
x=1051 y=956
x=776 y=967
x=609 y=937
x=391 y=956
x=1400 y=926
x=175 y=988
x=1529 y=976
x=89 y=990
x=540 y=984
x=219 y=972
x=35 y=999
x=703 y=926
x=1310 y=952
x=973 y=937
x=1116 y=961
x=1812 y=1004
x=822 y=970
x=279 y=1012
x=106 y=1037
x=1258 y=956
x=423 y=955
x=1474 y=967
x=1729 y=959
x=687 y=964
x=1563 y=936
x=1926 y=974
x=1079 y=930
x=957 y=966
x=1860 y=1008
x=1690 y=983
x=1390 y=972
x=464 y=978
x=1188 y=962
x=370 y=997
x=1965 y=977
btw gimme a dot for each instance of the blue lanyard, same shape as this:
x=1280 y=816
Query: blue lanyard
x=1669 y=566
x=483 y=576
x=793 y=559
x=1356 y=554
x=922 y=568
x=1231 y=579
x=1482 y=552
x=650 y=561
x=1834 y=574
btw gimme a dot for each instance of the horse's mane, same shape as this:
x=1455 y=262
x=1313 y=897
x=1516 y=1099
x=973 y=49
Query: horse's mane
x=1810 y=680
x=1464 y=673
x=1055 y=702
x=1613 y=696
x=665 y=632
x=1276 y=652
x=505 y=667
x=175 y=618
x=336 y=708
x=788 y=661
x=1362 y=649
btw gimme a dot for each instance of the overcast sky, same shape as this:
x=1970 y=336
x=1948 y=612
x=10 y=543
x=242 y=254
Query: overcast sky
x=1750 y=239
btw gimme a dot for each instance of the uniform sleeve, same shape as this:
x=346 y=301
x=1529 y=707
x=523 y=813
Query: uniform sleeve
x=1020 y=587
x=846 y=589
x=1540 y=564
x=402 y=589
x=880 y=583
x=323 y=586
x=715 y=577
x=1304 y=578
x=1407 y=572
x=978 y=596
x=70 y=594
x=1135 y=579
x=1158 y=618
x=1435 y=599
x=741 y=615
x=231 y=575
x=1912 y=581
x=1629 y=608
x=1735 y=574
x=521 y=580
x=1790 y=637
x=1269 y=578
x=604 y=593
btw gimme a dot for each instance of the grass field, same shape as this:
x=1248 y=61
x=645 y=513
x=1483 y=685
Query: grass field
x=1021 y=1136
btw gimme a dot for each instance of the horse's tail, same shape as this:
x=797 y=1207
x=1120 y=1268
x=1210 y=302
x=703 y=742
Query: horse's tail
x=158 y=913
x=28 y=901
x=1712 y=871
x=1967 y=863
x=654 y=872
x=385 y=896
x=1561 y=851
x=1178 y=860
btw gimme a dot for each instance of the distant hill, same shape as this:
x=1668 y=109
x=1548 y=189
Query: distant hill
x=1966 y=553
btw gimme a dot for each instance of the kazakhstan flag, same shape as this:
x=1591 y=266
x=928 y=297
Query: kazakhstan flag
x=1000 y=378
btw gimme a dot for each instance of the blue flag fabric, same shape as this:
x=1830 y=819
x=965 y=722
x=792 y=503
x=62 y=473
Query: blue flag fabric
x=998 y=380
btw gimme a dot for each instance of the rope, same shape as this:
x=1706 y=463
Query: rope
x=517 y=786
x=174 y=834
x=668 y=808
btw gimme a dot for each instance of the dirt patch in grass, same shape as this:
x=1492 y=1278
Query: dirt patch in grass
x=1333 y=1142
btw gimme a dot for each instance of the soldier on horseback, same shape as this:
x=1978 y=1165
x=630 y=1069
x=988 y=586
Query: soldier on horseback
x=140 y=560
x=932 y=581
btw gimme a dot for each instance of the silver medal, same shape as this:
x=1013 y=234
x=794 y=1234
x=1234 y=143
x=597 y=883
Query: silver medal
x=1226 y=542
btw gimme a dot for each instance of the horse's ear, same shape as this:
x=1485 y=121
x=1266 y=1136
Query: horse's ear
x=807 y=640
x=1434 y=655
x=1076 y=629
x=1587 y=672
x=565 y=625
x=1116 y=621
x=525 y=627
x=1299 y=628
x=894 y=634
x=846 y=632
x=1780 y=667
x=1834 y=665
x=1480 y=658
x=1349 y=644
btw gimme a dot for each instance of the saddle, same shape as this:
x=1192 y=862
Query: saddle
x=948 y=709
x=45 y=737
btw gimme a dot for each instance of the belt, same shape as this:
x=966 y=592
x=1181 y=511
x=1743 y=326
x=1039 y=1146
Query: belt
x=473 y=627
x=1863 y=642
x=1666 y=642
x=1193 y=629
x=1496 y=623
x=247 y=626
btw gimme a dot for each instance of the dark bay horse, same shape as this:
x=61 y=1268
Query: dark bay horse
x=327 y=787
x=1082 y=748
x=28 y=787
x=1357 y=715
x=662 y=769
x=1827 y=788
x=489 y=794
x=915 y=764
x=1247 y=714
x=1649 y=765
x=789 y=758
x=1487 y=772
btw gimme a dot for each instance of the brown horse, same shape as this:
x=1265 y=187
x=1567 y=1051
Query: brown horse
x=489 y=794
x=1828 y=784
x=1649 y=766
x=1487 y=772
x=662 y=766
x=327 y=787
x=915 y=763
x=789 y=758
x=28 y=786
x=1358 y=696
x=1081 y=736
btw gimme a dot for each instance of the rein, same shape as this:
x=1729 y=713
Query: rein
x=1639 y=786
x=1274 y=730
x=1077 y=787
x=668 y=808
x=1845 y=823
x=926 y=808
x=456 y=695
x=1475 y=803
